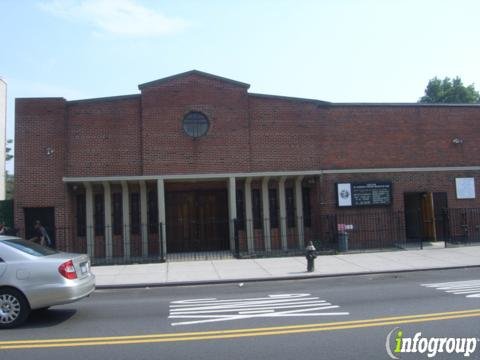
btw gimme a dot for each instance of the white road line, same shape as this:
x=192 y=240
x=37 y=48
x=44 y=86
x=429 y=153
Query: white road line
x=277 y=305
x=470 y=288
x=249 y=304
x=245 y=301
x=471 y=291
x=462 y=288
x=255 y=312
x=326 y=305
x=453 y=283
x=214 y=300
x=459 y=287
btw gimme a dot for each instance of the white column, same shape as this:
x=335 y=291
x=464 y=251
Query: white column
x=162 y=214
x=283 y=212
x=143 y=218
x=232 y=209
x=89 y=222
x=107 y=204
x=266 y=215
x=249 y=215
x=126 y=220
x=299 y=210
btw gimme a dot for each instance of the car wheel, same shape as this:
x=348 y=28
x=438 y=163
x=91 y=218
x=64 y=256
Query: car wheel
x=14 y=308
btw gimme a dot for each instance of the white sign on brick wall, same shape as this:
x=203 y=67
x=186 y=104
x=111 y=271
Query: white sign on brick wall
x=465 y=188
x=344 y=194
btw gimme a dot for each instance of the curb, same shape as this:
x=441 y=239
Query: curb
x=278 y=278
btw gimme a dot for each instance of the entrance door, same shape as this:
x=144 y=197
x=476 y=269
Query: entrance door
x=197 y=221
x=440 y=206
x=413 y=219
x=427 y=216
x=423 y=216
x=46 y=215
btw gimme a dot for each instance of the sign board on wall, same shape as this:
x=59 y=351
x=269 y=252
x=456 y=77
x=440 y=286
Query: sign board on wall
x=465 y=188
x=364 y=194
x=344 y=194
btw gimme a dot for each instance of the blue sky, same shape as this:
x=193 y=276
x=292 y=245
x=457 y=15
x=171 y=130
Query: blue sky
x=340 y=51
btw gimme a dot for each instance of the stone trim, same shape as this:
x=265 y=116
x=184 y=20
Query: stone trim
x=221 y=176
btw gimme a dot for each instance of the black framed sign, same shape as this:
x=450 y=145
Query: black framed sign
x=372 y=193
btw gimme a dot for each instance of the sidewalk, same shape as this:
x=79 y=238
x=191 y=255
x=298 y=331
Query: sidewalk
x=232 y=270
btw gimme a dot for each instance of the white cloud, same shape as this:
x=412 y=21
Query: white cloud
x=119 y=17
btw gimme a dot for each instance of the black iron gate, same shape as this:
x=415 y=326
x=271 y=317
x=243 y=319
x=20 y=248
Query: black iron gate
x=462 y=226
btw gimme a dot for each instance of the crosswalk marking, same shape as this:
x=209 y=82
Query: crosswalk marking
x=277 y=305
x=469 y=288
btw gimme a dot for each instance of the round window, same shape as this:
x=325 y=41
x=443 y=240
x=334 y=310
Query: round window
x=195 y=124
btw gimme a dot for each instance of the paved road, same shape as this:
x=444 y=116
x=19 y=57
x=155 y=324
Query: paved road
x=334 y=318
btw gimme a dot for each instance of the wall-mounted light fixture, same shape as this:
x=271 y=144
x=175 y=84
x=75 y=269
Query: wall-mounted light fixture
x=49 y=151
x=457 y=141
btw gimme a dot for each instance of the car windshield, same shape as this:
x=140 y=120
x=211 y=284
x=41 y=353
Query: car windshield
x=30 y=247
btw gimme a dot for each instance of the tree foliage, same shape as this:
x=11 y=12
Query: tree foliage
x=8 y=149
x=9 y=186
x=448 y=91
x=9 y=179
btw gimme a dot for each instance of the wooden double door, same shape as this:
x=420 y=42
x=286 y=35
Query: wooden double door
x=197 y=221
x=425 y=216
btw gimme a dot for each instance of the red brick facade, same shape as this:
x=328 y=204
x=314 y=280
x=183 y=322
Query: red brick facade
x=141 y=135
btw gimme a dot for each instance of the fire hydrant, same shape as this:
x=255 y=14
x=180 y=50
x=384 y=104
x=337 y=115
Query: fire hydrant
x=311 y=256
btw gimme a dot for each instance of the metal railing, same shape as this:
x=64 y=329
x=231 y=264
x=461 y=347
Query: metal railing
x=462 y=226
x=214 y=239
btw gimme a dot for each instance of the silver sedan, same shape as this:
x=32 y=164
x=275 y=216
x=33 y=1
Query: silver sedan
x=36 y=277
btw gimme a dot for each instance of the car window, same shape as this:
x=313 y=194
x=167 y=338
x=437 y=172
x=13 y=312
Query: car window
x=30 y=247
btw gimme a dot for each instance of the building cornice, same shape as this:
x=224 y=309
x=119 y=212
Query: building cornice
x=243 y=175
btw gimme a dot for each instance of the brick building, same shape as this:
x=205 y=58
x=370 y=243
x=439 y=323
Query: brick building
x=195 y=161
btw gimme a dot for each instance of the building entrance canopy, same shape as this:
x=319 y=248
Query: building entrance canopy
x=185 y=224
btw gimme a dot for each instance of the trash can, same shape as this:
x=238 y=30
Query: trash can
x=343 y=241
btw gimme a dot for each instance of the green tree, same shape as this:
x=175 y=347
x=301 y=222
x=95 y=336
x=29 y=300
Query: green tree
x=448 y=91
x=9 y=186
x=9 y=180
x=8 y=149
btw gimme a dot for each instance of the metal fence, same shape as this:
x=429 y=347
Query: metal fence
x=462 y=226
x=328 y=233
x=211 y=239
x=380 y=229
